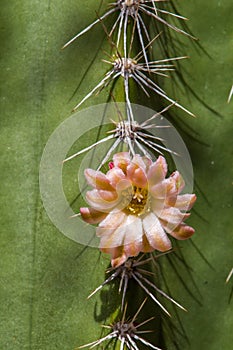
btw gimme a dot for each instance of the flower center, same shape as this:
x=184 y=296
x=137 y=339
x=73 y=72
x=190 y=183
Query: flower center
x=138 y=203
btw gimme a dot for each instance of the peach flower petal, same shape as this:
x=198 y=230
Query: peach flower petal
x=102 y=201
x=123 y=185
x=164 y=189
x=133 y=236
x=119 y=260
x=156 y=206
x=121 y=160
x=98 y=180
x=115 y=175
x=155 y=233
x=182 y=202
x=172 y=216
x=112 y=237
x=157 y=171
x=110 y=223
x=92 y=216
x=137 y=175
x=182 y=232
x=179 y=181
x=118 y=257
x=139 y=162
x=146 y=247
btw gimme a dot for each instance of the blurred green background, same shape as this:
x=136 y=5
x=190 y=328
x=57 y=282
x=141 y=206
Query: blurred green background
x=45 y=277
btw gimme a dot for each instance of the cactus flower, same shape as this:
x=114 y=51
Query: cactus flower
x=136 y=206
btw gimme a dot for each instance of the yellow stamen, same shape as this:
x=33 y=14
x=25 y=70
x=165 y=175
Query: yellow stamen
x=138 y=203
